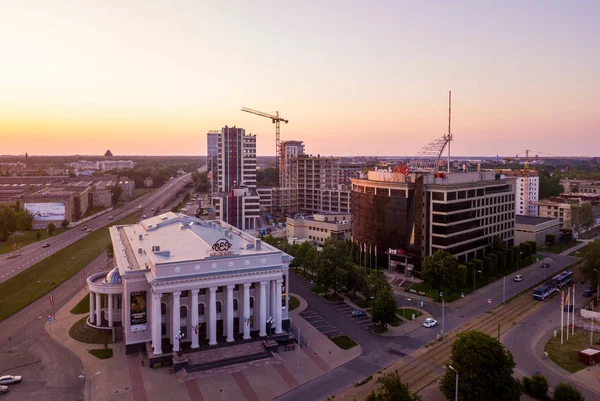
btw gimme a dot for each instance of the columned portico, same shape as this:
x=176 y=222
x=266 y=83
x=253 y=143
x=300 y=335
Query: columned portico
x=263 y=309
x=92 y=308
x=156 y=326
x=195 y=328
x=176 y=320
x=230 y=313
x=246 y=311
x=278 y=328
x=212 y=323
x=273 y=311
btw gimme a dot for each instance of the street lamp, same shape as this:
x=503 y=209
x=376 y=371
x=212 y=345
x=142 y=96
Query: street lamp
x=270 y=323
x=179 y=336
x=89 y=378
x=456 y=385
x=475 y=271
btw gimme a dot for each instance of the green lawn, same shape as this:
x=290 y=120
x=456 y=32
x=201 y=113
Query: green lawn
x=566 y=356
x=344 y=342
x=29 y=285
x=23 y=238
x=396 y=322
x=81 y=332
x=581 y=252
x=558 y=247
x=408 y=312
x=102 y=353
x=142 y=191
x=293 y=303
x=93 y=210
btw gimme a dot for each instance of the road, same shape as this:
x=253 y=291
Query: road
x=527 y=339
x=33 y=253
x=51 y=371
x=379 y=352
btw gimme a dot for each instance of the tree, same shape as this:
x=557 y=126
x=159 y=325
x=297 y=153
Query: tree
x=110 y=252
x=24 y=220
x=550 y=239
x=266 y=177
x=591 y=265
x=566 y=392
x=64 y=224
x=373 y=284
x=334 y=263
x=441 y=271
x=50 y=228
x=311 y=261
x=116 y=192
x=392 y=389
x=485 y=367
x=536 y=386
x=582 y=217
x=384 y=308
x=38 y=235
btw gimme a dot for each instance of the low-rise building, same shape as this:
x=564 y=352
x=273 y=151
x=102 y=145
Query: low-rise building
x=148 y=182
x=558 y=208
x=533 y=228
x=317 y=228
x=53 y=204
x=239 y=207
x=581 y=186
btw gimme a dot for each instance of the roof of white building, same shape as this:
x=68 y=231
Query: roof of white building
x=176 y=238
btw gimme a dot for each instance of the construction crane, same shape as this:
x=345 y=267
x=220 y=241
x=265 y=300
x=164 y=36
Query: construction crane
x=276 y=119
x=527 y=158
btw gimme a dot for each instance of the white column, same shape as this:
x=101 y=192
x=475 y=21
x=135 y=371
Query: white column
x=156 y=324
x=92 y=310
x=246 y=320
x=212 y=324
x=273 y=313
x=287 y=291
x=176 y=320
x=277 y=316
x=98 y=310
x=230 y=313
x=195 y=328
x=110 y=310
x=263 y=309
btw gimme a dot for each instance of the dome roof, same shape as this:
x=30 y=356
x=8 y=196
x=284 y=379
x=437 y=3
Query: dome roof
x=113 y=277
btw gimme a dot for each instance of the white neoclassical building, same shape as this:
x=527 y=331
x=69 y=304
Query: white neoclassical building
x=182 y=280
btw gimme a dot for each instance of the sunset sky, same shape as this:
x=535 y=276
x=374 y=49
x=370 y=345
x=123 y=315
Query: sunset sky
x=353 y=77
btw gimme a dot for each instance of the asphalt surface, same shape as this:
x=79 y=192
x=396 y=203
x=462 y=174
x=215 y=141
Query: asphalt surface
x=33 y=253
x=379 y=351
x=527 y=340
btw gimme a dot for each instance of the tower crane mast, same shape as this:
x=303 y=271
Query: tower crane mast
x=276 y=119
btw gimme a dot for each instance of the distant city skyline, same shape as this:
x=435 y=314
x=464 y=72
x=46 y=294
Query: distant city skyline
x=353 y=78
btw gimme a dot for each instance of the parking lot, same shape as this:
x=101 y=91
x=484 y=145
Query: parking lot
x=321 y=323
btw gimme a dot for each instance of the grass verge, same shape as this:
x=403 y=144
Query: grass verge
x=317 y=289
x=567 y=355
x=102 y=353
x=344 y=342
x=83 y=306
x=559 y=247
x=332 y=298
x=83 y=333
x=293 y=303
x=408 y=312
x=24 y=238
x=29 y=285
x=396 y=322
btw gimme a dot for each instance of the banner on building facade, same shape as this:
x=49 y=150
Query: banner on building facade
x=138 y=311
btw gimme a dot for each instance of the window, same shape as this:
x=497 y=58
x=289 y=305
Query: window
x=219 y=306
x=235 y=304
x=251 y=302
x=163 y=309
x=200 y=309
x=185 y=294
x=183 y=312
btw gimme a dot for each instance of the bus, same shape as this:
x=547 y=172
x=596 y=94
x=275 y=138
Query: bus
x=562 y=279
x=542 y=292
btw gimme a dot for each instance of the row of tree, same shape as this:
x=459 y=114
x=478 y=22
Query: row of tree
x=201 y=183
x=12 y=219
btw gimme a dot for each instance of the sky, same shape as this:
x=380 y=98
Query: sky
x=353 y=77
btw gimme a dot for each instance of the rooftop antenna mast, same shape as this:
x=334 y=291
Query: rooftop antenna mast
x=449 y=123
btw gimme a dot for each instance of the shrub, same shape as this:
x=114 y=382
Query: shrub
x=566 y=392
x=478 y=264
x=510 y=258
x=533 y=246
x=501 y=257
x=539 y=387
x=494 y=259
x=550 y=239
x=488 y=268
x=470 y=271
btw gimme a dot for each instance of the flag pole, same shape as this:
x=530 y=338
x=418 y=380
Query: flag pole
x=562 y=309
x=568 y=314
x=573 y=317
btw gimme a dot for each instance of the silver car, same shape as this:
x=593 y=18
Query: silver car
x=3 y=389
x=9 y=379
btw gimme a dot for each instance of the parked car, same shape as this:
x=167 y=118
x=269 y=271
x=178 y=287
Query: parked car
x=8 y=379
x=45 y=245
x=144 y=216
x=359 y=313
x=3 y=389
x=89 y=230
x=429 y=322
x=588 y=293
x=545 y=264
x=519 y=277
x=110 y=217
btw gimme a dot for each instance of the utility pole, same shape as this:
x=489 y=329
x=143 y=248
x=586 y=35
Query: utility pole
x=504 y=290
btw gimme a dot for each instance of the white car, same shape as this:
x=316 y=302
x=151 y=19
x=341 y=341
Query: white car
x=519 y=277
x=429 y=322
x=9 y=379
x=3 y=389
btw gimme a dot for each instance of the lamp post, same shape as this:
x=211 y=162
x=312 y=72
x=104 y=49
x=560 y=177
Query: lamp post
x=475 y=271
x=270 y=323
x=89 y=378
x=456 y=385
x=179 y=336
